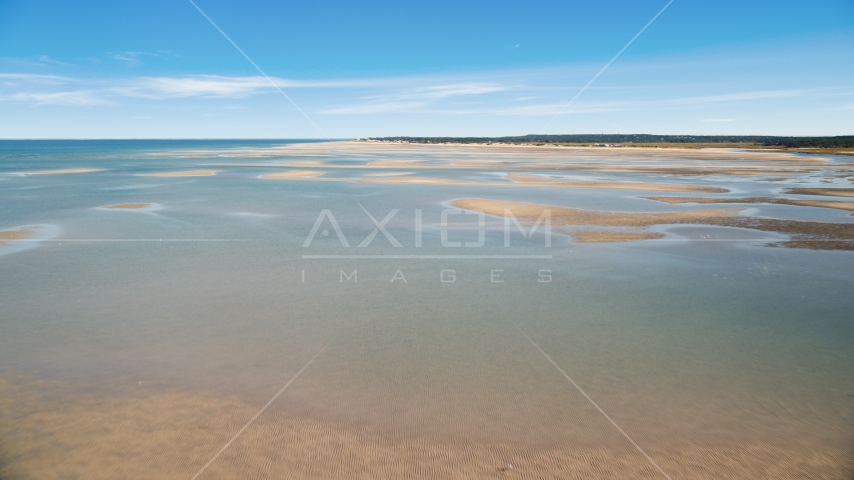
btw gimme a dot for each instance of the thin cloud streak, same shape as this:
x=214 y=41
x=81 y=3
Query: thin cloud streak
x=498 y=95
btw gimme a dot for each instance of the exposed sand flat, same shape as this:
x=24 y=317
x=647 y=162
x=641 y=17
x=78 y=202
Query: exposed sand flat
x=306 y=163
x=812 y=235
x=653 y=161
x=567 y=182
x=523 y=180
x=129 y=206
x=381 y=148
x=394 y=164
x=186 y=173
x=295 y=174
x=686 y=170
x=574 y=216
x=22 y=233
x=849 y=206
x=828 y=192
x=605 y=236
x=388 y=174
x=172 y=435
x=429 y=181
x=61 y=171
x=10 y=237
x=470 y=152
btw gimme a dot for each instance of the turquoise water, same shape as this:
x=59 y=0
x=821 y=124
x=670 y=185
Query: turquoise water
x=686 y=344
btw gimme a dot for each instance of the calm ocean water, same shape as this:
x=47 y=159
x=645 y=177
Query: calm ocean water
x=697 y=349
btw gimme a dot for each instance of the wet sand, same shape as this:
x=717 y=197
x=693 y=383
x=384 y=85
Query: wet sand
x=829 y=192
x=172 y=435
x=563 y=216
x=848 y=206
x=19 y=234
x=566 y=182
x=129 y=206
x=522 y=180
x=185 y=173
x=656 y=161
x=603 y=236
x=296 y=174
x=61 y=171
x=811 y=235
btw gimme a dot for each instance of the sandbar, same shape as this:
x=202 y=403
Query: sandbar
x=848 y=206
x=9 y=237
x=61 y=171
x=811 y=235
x=828 y=192
x=605 y=236
x=388 y=174
x=568 y=182
x=186 y=173
x=525 y=180
x=129 y=206
x=294 y=174
x=575 y=216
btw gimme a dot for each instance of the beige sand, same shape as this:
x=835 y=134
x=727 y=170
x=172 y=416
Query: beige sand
x=171 y=435
x=849 y=206
x=574 y=216
x=129 y=206
x=524 y=180
x=388 y=174
x=566 y=182
x=292 y=175
x=605 y=236
x=829 y=192
x=306 y=163
x=61 y=171
x=8 y=237
x=812 y=235
x=187 y=173
x=430 y=181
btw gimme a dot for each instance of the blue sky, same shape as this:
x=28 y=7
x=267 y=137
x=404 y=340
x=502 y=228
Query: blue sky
x=158 y=69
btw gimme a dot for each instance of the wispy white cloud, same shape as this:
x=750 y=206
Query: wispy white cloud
x=485 y=94
x=41 y=61
x=131 y=58
x=29 y=79
x=58 y=90
x=71 y=98
x=46 y=59
x=415 y=98
x=741 y=96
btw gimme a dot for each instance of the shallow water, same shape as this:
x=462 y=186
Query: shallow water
x=136 y=343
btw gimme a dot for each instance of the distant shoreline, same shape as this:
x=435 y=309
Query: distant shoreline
x=840 y=145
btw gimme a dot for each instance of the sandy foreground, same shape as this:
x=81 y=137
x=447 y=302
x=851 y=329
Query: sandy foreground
x=173 y=435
